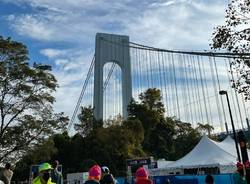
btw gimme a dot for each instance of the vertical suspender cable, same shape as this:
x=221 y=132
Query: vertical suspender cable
x=156 y=62
x=165 y=85
x=236 y=96
x=231 y=91
x=202 y=87
x=242 y=99
x=215 y=89
x=150 y=68
x=182 y=80
x=171 y=78
x=188 y=89
x=208 y=98
x=169 y=82
x=192 y=82
x=183 y=90
x=218 y=82
x=140 y=68
x=198 y=91
x=145 y=69
x=175 y=84
x=160 y=74
x=137 y=76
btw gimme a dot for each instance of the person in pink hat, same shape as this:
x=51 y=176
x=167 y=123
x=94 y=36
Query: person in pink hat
x=95 y=173
x=141 y=176
x=238 y=176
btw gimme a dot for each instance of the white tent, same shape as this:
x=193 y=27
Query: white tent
x=228 y=145
x=206 y=154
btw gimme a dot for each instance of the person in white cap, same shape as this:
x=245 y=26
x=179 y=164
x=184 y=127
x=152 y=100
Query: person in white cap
x=107 y=178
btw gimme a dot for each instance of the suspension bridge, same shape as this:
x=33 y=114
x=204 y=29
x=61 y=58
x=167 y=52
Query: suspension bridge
x=189 y=82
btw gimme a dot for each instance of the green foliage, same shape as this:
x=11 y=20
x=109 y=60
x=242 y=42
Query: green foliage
x=150 y=109
x=86 y=118
x=152 y=100
x=185 y=140
x=205 y=128
x=159 y=143
x=117 y=120
x=234 y=36
x=158 y=132
x=113 y=145
x=42 y=153
x=26 y=113
x=145 y=133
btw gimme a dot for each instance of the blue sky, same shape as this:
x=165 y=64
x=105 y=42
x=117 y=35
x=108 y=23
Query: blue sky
x=62 y=32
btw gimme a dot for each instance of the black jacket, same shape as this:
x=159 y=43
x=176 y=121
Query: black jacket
x=91 y=182
x=107 y=179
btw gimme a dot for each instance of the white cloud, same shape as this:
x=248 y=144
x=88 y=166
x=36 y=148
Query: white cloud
x=53 y=53
x=186 y=25
x=31 y=26
x=171 y=24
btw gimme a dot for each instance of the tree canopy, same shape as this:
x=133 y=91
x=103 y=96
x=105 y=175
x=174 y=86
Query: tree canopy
x=26 y=112
x=234 y=36
x=86 y=121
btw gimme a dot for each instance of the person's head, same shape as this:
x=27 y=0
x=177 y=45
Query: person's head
x=105 y=170
x=240 y=168
x=7 y=166
x=247 y=165
x=95 y=173
x=141 y=173
x=209 y=179
x=55 y=164
x=45 y=171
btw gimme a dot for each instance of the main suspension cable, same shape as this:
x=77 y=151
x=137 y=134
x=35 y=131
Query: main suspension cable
x=81 y=94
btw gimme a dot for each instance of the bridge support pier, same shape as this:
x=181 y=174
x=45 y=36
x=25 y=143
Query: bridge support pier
x=111 y=48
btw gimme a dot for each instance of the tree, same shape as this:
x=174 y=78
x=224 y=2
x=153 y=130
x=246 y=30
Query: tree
x=160 y=140
x=117 y=120
x=234 y=36
x=185 y=139
x=40 y=153
x=205 y=128
x=86 y=118
x=158 y=132
x=26 y=112
x=113 y=145
x=152 y=99
x=150 y=110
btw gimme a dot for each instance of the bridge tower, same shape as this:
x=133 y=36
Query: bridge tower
x=111 y=48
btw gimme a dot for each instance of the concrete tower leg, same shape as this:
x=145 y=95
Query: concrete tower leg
x=111 y=48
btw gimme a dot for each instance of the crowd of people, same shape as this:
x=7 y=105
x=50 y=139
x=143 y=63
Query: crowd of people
x=96 y=175
x=50 y=174
x=102 y=175
x=46 y=174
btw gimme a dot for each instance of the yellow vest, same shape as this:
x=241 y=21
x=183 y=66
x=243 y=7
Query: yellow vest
x=38 y=181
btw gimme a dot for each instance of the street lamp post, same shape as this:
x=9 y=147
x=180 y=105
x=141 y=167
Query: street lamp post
x=222 y=92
